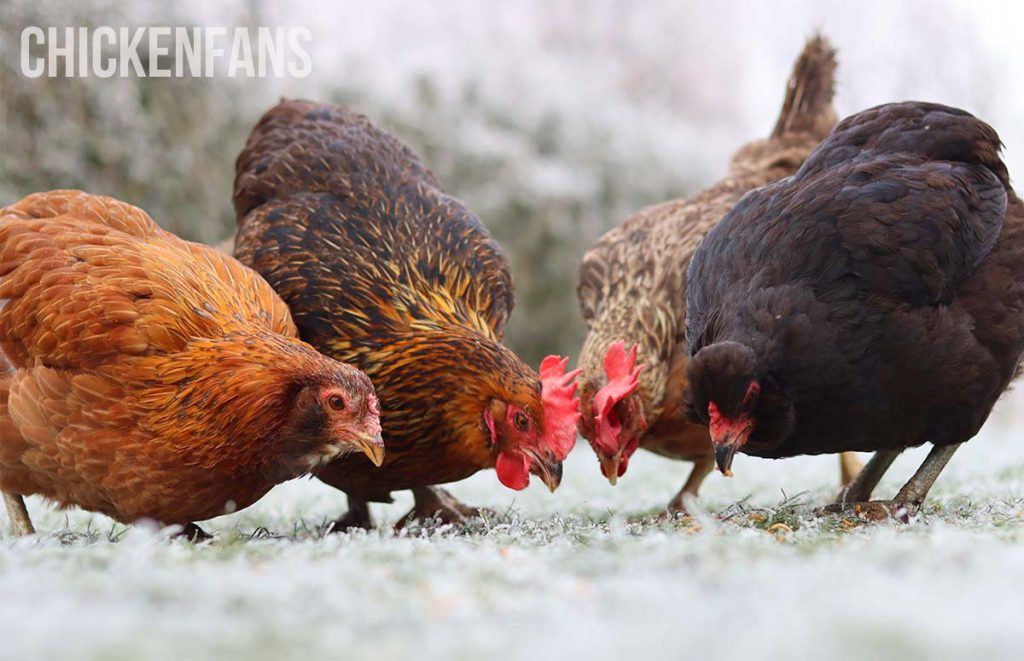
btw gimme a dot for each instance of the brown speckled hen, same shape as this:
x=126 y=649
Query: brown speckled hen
x=150 y=377
x=382 y=269
x=632 y=291
x=873 y=301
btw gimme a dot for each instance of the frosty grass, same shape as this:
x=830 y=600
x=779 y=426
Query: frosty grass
x=586 y=572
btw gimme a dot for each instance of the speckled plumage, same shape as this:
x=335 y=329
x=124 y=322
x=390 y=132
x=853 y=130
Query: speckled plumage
x=632 y=282
x=152 y=377
x=382 y=269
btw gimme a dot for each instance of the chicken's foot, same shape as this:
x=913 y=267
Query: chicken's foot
x=193 y=533
x=875 y=510
x=17 y=513
x=909 y=499
x=701 y=469
x=356 y=518
x=439 y=504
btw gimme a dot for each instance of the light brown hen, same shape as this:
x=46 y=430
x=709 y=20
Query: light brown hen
x=632 y=292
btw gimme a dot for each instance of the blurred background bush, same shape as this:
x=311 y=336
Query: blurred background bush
x=553 y=121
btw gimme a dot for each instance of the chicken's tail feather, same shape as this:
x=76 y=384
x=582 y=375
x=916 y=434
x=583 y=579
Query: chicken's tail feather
x=808 y=103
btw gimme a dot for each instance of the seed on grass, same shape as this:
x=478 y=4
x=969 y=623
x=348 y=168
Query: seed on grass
x=848 y=524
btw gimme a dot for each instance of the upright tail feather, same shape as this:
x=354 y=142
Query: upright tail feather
x=808 y=103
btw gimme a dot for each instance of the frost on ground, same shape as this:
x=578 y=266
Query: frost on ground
x=586 y=572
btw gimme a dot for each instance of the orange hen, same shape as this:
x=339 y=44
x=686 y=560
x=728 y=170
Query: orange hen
x=155 y=378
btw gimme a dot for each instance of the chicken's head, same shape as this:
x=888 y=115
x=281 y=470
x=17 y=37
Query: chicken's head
x=335 y=413
x=616 y=421
x=728 y=394
x=535 y=439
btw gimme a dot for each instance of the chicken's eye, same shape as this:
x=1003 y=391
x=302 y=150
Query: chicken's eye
x=336 y=402
x=521 y=422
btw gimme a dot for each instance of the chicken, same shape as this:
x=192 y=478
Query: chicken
x=155 y=378
x=384 y=270
x=632 y=291
x=874 y=301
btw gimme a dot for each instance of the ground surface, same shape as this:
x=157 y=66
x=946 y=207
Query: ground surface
x=550 y=576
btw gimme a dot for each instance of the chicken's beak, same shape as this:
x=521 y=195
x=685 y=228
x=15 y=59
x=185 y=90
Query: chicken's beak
x=728 y=434
x=610 y=467
x=548 y=468
x=727 y=441
x=724 y=452
x=373 y=448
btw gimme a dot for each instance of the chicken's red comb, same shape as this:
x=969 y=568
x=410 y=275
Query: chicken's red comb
x=561 y=406
x=622 y=373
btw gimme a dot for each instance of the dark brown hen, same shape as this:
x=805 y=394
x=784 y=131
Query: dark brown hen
x=381 y=267
x=874 y=301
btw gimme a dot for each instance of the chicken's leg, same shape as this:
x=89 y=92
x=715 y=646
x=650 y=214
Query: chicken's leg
x=916 y=490
x=357 y=517
x=438 y=503
x=860 y=488
x=701 y=469
x=850 y=467
x=17 y=513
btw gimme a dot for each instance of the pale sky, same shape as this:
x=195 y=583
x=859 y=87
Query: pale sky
x=967 y=54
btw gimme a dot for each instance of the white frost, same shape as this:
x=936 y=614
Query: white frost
x=561 y=575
